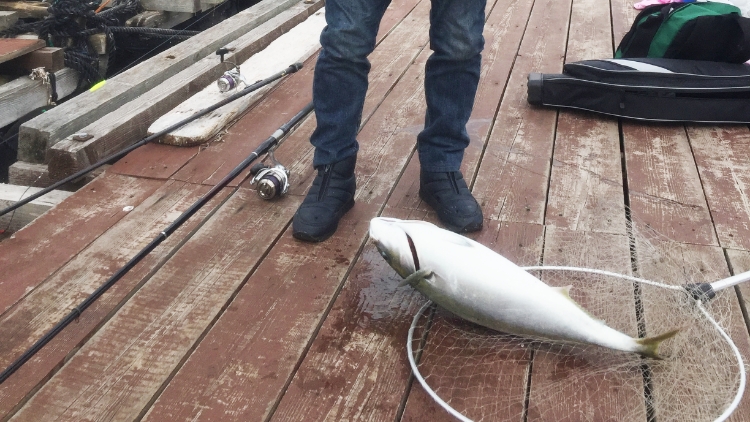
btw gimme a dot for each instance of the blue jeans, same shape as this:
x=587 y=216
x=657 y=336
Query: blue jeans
x=451 y=78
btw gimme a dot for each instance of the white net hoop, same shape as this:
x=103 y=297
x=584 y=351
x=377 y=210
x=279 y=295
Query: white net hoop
x=726 y=386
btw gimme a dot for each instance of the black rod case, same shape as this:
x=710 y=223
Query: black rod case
x=654 y=89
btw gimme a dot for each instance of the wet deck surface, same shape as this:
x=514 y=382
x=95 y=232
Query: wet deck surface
x=232 y=319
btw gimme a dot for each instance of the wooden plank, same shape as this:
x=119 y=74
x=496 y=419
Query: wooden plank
x=28 y=260
x=26 y=9
x=129 y=124
x=158 y=19
x=31 y=318
x=10 y=194
x=567 y=384
x=118 y=372
x=677 y=391
x=722 y=154
x=665 y=188
x=511 y=184
x=44 y=131
x=10 y=48
x=306 y=270
x=296 y=46
x=190 y=6
x=23 y=95
x=8 y=19
x=28 y=174
x=586 y=182
x=52 y=59
x=364 y=336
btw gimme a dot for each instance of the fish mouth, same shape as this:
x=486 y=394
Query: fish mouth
x=413 y=250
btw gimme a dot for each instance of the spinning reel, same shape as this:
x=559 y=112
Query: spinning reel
x=270 y=181
x=232 y=78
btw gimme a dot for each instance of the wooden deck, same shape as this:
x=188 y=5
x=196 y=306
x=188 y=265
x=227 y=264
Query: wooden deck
x=233 y=319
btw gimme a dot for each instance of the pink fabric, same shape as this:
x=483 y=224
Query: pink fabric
x=645 y=3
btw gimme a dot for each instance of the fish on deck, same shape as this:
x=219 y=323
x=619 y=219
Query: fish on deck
x=482 y=286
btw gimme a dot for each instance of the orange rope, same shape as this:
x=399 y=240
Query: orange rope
x=104 y=3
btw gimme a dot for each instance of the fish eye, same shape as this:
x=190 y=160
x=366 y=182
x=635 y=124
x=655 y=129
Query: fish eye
x=383 y=254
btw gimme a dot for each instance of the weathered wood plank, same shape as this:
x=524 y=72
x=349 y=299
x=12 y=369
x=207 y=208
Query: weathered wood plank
x=567 y=387
x=676 y=391
x=10 y=48
x=28 y=174
x=313 y=268
x=512 y=181
x=295 y=46
x=26 y=9
x=363 y=339
x=8 y=19
x=23 y=95
x=44 y=131
x=158 y=19
x=10 y=194
x=52 y=59
x=130 y=122
x=665 y=188
x=29 y=319
x=41 y=248
x=118 y=372
x=723 y=158
x=586 y=192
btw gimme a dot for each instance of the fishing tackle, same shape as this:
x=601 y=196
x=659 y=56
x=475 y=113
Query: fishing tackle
x=271 y=181
x=273 y=141
x=250 y=88
x=230 y=80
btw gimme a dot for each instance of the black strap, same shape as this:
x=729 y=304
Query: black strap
x=52 y=87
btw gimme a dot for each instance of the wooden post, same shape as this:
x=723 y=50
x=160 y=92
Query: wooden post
x=52 y=59
x=7 y=19
x=10 y=194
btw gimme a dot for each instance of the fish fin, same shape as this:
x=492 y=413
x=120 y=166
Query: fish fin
x=415 y=277
x=565 y=291
x=650 y=345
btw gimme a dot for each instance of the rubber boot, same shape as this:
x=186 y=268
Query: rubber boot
x=448 y=194
x=329 y=198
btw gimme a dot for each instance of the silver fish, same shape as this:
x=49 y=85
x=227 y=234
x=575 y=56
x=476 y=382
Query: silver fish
x=480 y=285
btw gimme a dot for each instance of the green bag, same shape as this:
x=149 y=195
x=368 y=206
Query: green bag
x=689 y=31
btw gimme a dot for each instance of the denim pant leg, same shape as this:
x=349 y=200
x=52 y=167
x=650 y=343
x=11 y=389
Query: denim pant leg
x=340 y=80
x=451 y=79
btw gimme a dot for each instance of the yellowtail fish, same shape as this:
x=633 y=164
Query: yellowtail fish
x=480 y=285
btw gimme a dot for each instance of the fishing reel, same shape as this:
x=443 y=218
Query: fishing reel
x=230 y=80
x=270 y=181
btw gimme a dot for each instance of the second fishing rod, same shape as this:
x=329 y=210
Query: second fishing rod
x=245 y=91
x=266 y=147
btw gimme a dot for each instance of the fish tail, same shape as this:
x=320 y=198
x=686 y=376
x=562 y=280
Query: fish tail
x=649 y=346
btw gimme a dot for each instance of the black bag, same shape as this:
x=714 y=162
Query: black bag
x=691 y=31
x=649 y=89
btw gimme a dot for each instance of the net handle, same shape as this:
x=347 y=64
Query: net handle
x=731 y=281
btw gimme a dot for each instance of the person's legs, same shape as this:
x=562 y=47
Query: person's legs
x=340 y=81
x=339 y=88
x=451 y=79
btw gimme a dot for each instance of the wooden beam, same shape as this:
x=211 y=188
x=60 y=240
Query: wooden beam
x=130 y=123
x=26 y=9
x=44 y=131
x=297 y=45
x=28 y=174
x=22 y=95
x=52 y=59
x=8 y=19
x=10 y=194
x=158 y=19
x=10 y=48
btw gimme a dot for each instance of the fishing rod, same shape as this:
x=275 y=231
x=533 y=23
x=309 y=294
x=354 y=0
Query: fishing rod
x=116 y=156
x=266 y=146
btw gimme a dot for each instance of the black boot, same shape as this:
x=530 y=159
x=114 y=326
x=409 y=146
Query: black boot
x=448 y=194
x=330 y=197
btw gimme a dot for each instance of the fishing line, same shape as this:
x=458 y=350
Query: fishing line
x=247 y=90
x=266 y=146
